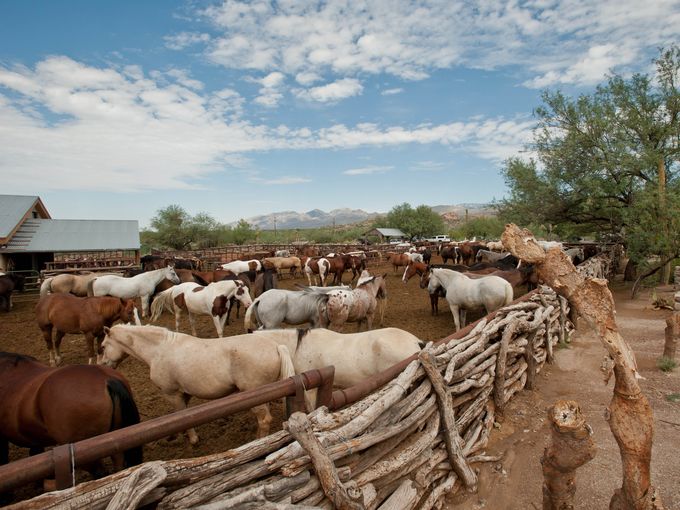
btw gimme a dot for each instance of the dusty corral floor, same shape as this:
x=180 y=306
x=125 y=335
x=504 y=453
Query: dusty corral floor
x=513 y=483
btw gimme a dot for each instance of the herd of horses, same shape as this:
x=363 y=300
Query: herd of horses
x=183 y=365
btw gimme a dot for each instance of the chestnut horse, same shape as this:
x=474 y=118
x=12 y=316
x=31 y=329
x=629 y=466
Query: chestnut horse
x=42 y=406
x=339 y=263
x=72 y=314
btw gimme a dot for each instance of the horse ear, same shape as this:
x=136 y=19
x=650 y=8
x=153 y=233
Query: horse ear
x=107 y=330
x=384 y=275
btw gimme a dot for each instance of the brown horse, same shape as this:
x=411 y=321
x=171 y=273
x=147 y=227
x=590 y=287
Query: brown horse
x=9 y=283
x=72 y=314
x=42 y=406
x=339 y=263
x=398 y=259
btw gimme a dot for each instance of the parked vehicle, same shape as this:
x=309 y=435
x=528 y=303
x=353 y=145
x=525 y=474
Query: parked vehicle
x=439 y=239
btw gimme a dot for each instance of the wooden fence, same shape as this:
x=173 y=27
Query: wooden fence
x=405 y=445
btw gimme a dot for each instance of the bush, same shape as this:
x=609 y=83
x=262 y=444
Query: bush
x=666 y=364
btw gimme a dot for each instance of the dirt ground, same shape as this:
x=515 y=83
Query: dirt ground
x=514 y=482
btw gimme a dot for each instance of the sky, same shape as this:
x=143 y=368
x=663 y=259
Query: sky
x=114 y=110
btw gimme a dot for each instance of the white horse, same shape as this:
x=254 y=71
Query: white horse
x=355 y=356
x=464 y=293
x=415 y=256
x=278 y=306
x=241 y=266
x=213 y=300
x=549 y=245
x=141 y=285
x=183 y=366
x=576 y=255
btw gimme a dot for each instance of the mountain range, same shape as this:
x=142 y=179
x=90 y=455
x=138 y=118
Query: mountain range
x=318 y=218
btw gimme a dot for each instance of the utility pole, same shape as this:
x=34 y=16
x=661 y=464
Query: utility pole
x=274 y=227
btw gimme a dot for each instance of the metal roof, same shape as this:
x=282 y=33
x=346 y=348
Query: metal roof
x=12 y=210
x=42 y=235
x=390 y=232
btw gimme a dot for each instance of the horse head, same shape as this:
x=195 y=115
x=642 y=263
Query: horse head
x=169 y=273
x=112 y=352
x=242 y=294
x=127 y=306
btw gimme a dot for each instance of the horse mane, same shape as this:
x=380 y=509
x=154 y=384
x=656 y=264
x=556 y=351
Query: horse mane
x=108 y=306
x=369 y=280
x=15 y=358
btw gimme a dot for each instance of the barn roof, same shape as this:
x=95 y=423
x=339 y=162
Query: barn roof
x=14 y=209
x=388 y=232
x=47 y=235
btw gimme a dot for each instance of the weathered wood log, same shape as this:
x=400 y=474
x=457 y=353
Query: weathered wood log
x=404 y=498
x=672 y=332
x=443 y=488
x=499 y=380
x=571 y=446
x=405 y=407
x=299 y=427
x=140 y=482
x=630 y=414
x=452 y=438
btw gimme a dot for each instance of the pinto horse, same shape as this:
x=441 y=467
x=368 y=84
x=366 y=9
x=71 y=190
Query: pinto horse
x=316 y=267
x=71 y=314
x=9 y=283
x=42 y=406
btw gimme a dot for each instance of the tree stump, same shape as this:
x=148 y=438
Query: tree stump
x=672 y=333
x=571 y=447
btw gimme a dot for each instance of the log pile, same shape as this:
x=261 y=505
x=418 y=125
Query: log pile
x=407 y=445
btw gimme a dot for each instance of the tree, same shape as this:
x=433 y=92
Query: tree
x=243 y=232
x=603 y=160
x=419 y=222
x=173 y=227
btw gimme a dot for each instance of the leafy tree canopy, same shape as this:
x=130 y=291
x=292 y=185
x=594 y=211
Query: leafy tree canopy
x=419 y=222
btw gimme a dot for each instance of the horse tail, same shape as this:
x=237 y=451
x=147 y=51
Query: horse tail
x=124 y=414
x=90 y=287
x=508 y=294
x=159 y=304
x=247 y=324
x=46 y=287
x=287 y=367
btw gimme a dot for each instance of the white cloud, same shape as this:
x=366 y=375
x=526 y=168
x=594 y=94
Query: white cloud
x=341 y=89
x=570 y=41
x=391 y=92
x=66 y=125
x=184 y=39
x=270 y=94
x=368 y=170
x=428 y=166
x=282 y=181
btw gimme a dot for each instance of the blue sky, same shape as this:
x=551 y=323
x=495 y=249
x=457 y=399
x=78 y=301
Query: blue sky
x=117 y=109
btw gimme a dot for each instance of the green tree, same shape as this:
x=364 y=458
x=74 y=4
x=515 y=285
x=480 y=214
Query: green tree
x=419 y=222
x=172 y=227
x=603 y=159
x=243 y=232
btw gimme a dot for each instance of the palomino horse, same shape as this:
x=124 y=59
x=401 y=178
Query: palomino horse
x=315 y=267
x=358 y=305
x=75 y=284
x=280 y=263
x=213 y=300
x=8 y=283
x=183 y=366
x=278 y=306
x=143 y=285
x=71 y=314
x=356 y=356
x=464 y=293
x=42 y=406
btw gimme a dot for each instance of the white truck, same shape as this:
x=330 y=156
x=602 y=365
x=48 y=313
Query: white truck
x=439 y=239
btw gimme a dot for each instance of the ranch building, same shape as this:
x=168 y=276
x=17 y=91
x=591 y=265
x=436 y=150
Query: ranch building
x=31 y=240
x=385 y=235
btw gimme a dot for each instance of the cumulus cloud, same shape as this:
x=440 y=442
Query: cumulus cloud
x=571 y=41
x=67 y=125
x=184 y=39
x=368 y=170
x=270 y=94
x=331 y=92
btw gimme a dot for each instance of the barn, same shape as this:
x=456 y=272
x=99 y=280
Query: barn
x=385 y=235
x=31 y=240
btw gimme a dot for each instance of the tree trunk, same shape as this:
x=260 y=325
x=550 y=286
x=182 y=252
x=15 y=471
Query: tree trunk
x=630 y=415
x=630 y=273
x=672 y=333
x=663 y=218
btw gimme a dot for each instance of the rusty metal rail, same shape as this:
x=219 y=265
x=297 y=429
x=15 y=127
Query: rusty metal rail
x=62 y=460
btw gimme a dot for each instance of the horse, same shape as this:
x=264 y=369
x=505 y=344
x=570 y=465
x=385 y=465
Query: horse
x=549 y=245
x=339 y=263
x=72 y=314
x=182 y=366
x=496 y=246
x=142 y=285
x=357 y=264
x=489 y=256
x=264 y=281
x=464 y=293
x=241 y=266
x=576 y=255
x=506 y=263
x=75 y=284
x=356 y=356
x=398 y=259
x=193 y=298
x=316 y=267
x=42 y=406
x=282 y=253
x=468 y=251
x=277 y=306
x=358 y=305
x=9 y=283
x=279 y=263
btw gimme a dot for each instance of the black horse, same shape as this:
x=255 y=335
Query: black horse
x=9 y=283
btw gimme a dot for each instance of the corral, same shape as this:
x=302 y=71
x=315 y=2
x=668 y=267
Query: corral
x=408 y=308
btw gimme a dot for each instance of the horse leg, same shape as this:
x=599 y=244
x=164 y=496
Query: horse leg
x=89 y=341
x=463 y=312
x=99 y=339
x=57 y=345
x=180 y=401
x=47 y=336
x=193 y=325
x=178 y=315
x=217 y=320
x=145 y=305
x=264 y=419
x=455 y=311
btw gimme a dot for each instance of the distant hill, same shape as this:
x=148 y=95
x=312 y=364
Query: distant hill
x=317 y=218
